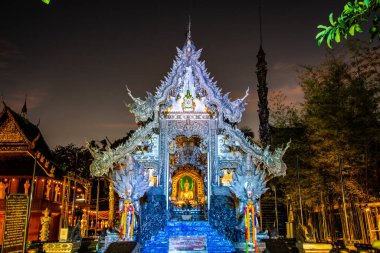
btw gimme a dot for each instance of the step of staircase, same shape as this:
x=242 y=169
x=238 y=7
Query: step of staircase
x=188 y=229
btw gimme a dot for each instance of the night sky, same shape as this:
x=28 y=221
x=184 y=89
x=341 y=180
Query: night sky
x=73 y=58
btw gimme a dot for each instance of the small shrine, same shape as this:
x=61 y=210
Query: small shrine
x=188 y=158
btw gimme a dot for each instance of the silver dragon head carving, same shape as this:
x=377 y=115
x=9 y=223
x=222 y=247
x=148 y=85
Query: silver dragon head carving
x=142 y=109
x=233 y=110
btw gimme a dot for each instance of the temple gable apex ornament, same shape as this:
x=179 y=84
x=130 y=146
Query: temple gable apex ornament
x=188 y=104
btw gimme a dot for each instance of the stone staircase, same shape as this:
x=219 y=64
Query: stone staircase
x=191 y=229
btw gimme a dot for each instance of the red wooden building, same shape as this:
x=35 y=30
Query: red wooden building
x=21 y=147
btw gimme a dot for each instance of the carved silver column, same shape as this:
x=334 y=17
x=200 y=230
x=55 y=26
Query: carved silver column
x=213 y=152
x=164 y=159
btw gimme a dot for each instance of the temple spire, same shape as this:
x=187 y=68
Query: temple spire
x=189 y=46
x=262 y=90
x=24 y=110
x=189 y=29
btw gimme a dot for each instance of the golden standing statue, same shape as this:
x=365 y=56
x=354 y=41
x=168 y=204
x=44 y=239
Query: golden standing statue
x=48 y=189
x=26 y=187
x=57 y=193
x=45 y=223
x=84 y=224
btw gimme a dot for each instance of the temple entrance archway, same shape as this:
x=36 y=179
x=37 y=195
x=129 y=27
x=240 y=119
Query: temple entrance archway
x=188 y=193
x=187 y=187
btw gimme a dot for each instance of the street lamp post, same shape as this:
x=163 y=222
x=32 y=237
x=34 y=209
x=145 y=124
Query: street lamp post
x=299 y=189
x=275 y=208
x=30 y=199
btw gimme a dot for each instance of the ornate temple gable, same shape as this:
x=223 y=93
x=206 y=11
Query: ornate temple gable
x=18 y=134
x=11 y=136
x=187 y=87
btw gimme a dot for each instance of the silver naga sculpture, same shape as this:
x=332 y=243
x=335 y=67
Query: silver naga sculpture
x=130 y=181
x=128 y=176
x=248 y=184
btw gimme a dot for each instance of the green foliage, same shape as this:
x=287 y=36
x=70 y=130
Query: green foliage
x=349 y=22
x=340 y=116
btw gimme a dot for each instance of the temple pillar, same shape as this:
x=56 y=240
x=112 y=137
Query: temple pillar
x=208 y=182
x=164 y=157
x=213 y=153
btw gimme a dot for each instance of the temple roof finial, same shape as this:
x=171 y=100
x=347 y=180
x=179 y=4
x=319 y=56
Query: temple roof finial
x=24 y=109
x=189 y=29
x=189 y=46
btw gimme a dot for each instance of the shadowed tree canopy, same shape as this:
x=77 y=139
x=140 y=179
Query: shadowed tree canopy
x=342 y=118
x=72 y=158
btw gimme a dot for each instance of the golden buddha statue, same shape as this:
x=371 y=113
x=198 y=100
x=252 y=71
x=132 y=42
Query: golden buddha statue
x=186 y=194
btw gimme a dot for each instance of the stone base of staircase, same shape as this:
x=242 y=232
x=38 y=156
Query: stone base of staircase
x=191 y=229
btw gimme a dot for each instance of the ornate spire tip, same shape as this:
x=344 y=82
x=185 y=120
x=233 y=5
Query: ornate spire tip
x=189 y=29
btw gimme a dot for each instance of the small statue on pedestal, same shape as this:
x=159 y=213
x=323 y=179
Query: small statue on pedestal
x=57 y=193
x=84 y=224
x=45 y=223
x=26 y=187
x=48 y=189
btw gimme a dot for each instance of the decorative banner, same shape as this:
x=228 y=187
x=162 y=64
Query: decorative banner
x=15 y=223
x=187 y=244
